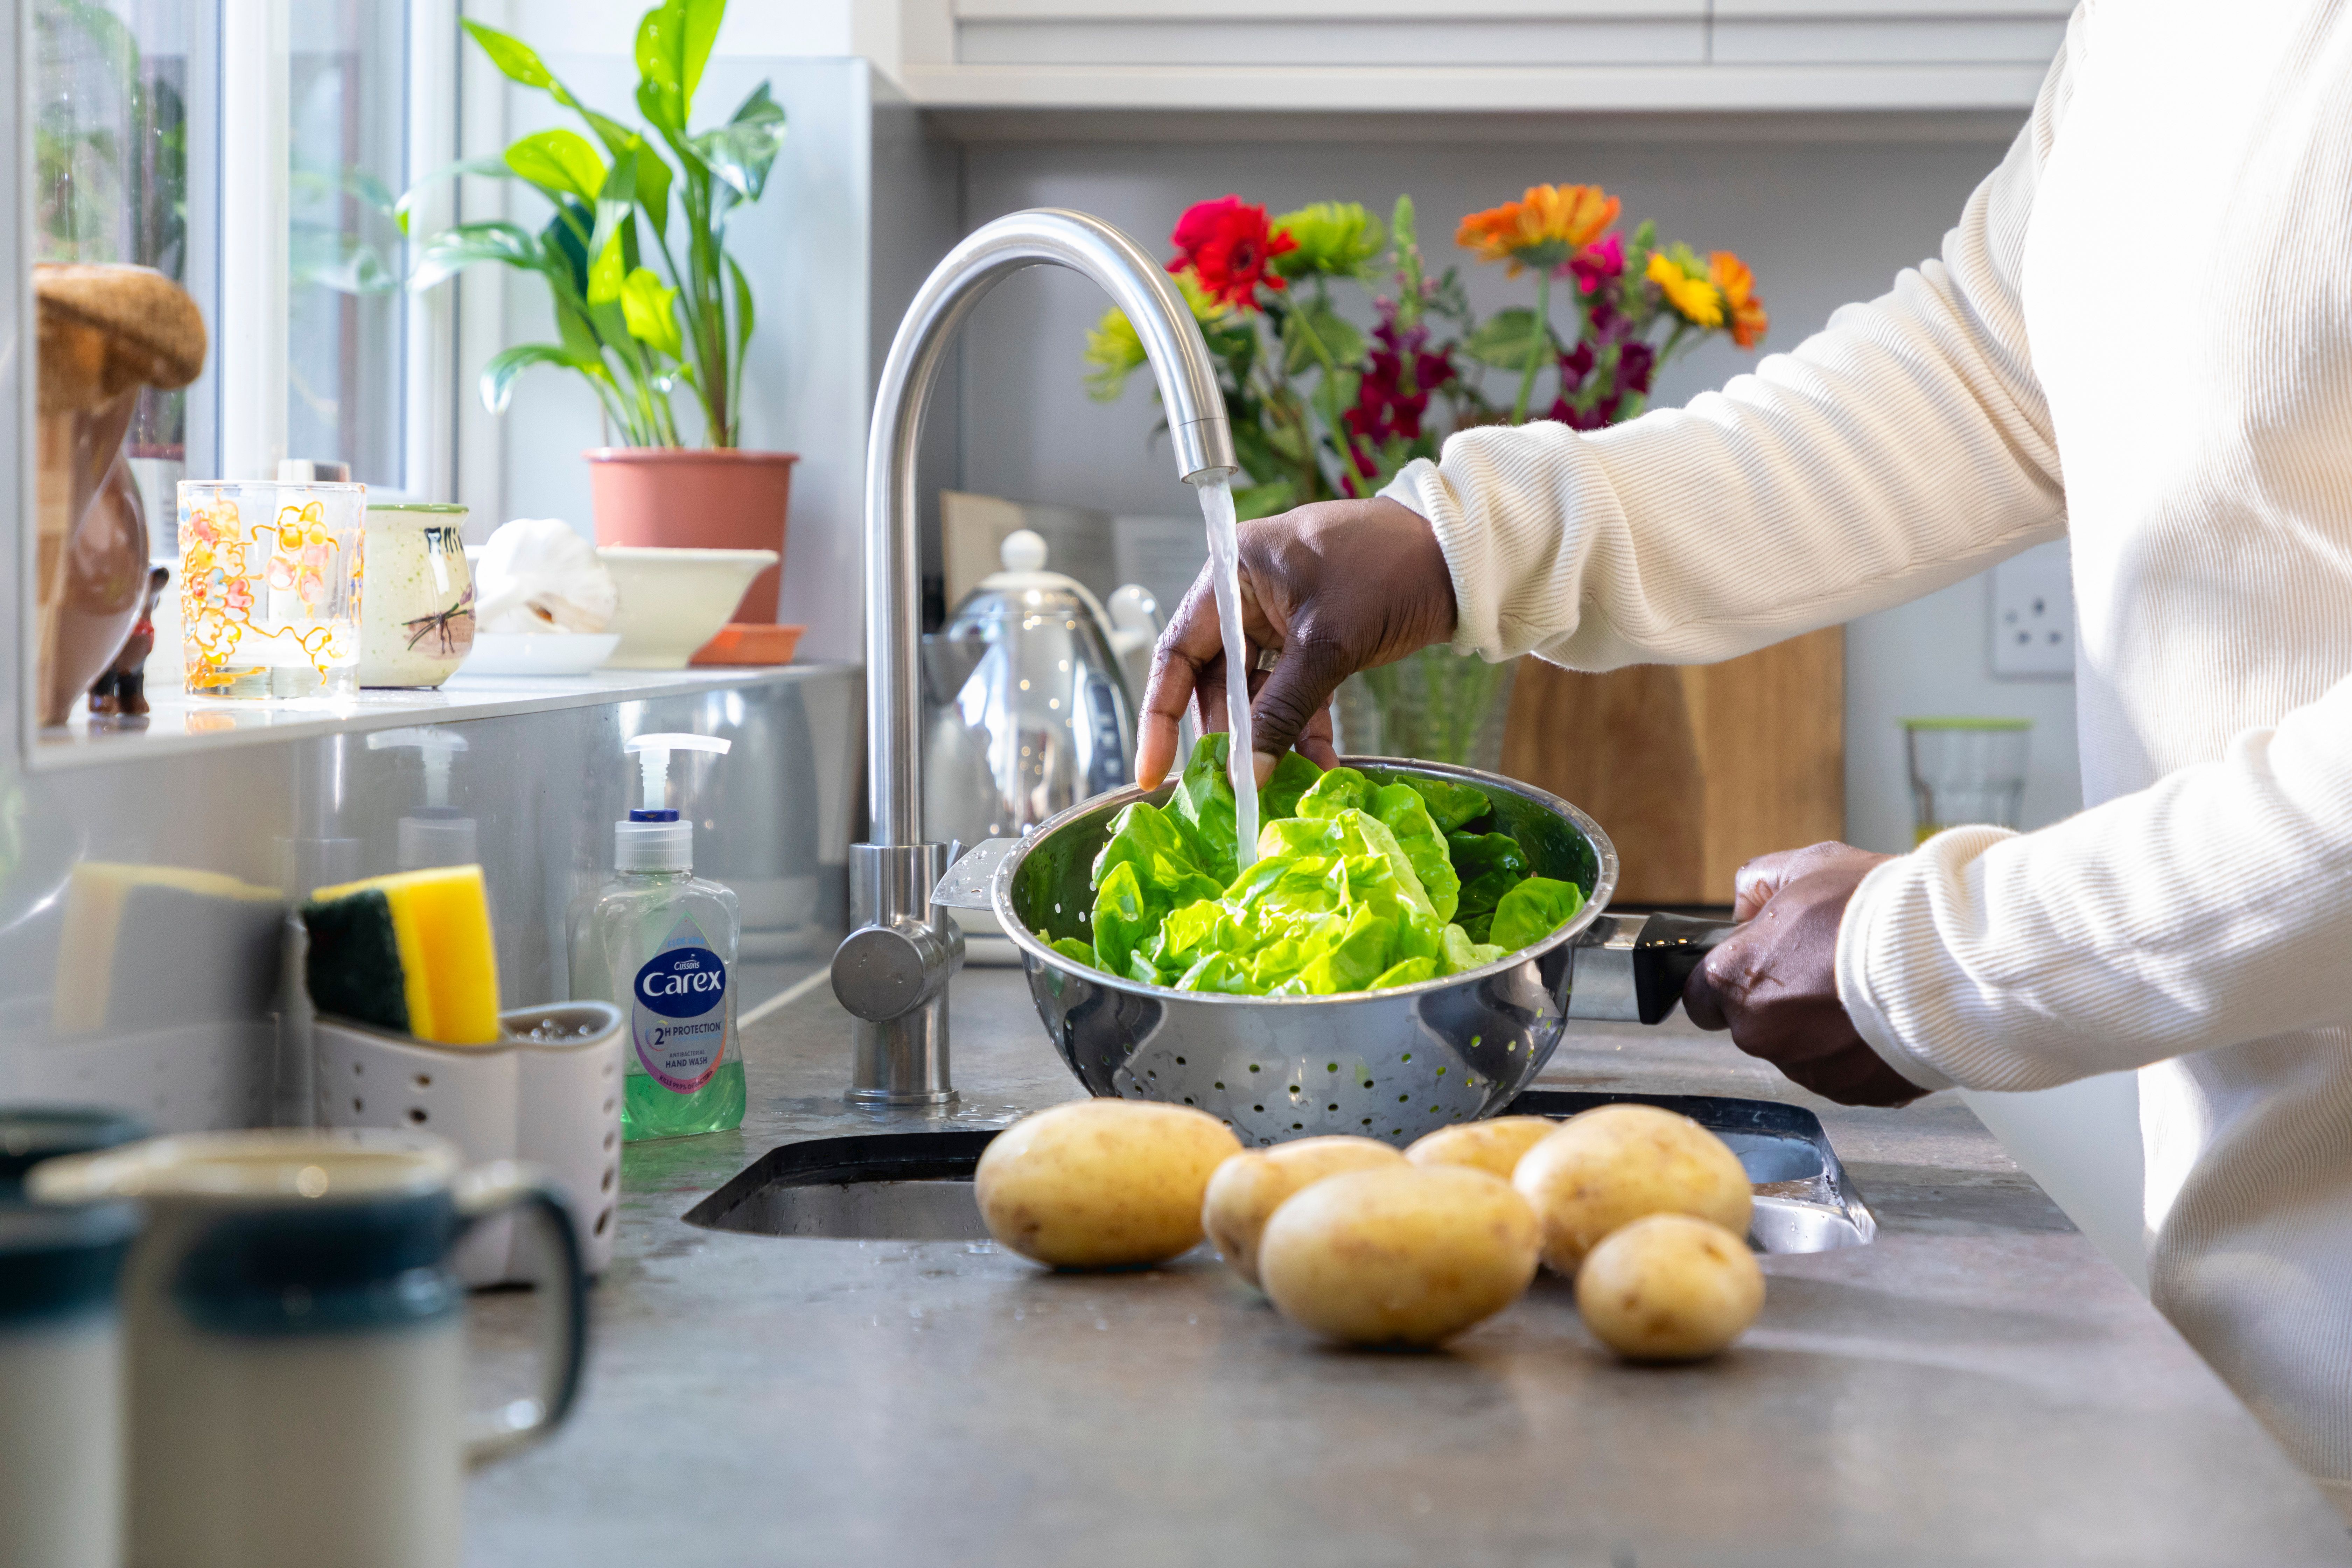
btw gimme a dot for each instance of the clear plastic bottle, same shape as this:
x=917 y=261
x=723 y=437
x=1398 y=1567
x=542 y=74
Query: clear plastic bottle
x=659 y=942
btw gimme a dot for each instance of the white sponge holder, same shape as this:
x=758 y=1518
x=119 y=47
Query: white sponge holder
x=556 y=1103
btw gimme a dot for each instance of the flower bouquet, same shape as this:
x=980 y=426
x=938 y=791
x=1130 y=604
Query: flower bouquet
x=1322 y=408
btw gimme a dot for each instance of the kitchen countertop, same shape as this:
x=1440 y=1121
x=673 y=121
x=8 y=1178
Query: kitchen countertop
x=1977 y=1386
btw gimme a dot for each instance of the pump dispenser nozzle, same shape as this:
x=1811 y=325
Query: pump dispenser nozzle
x=652 y=838
x=434 y=834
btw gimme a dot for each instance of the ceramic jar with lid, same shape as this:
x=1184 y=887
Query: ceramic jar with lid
x=416 y=615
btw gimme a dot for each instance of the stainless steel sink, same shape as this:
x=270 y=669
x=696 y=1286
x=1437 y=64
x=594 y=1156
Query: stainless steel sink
x=917 y=1186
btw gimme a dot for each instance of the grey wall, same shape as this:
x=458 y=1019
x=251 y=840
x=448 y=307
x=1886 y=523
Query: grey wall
x=1824 y=215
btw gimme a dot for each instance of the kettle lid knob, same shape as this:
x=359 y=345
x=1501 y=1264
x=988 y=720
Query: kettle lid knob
x=1023 y=551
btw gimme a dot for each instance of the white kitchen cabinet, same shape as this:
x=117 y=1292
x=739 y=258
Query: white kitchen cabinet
x=1488 y=56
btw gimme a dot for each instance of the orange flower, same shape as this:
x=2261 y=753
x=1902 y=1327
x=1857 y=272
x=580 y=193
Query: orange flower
x=1737 y=286
x=1542 y=228
x=1694 y=299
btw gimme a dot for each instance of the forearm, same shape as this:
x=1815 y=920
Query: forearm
x=2209 y=909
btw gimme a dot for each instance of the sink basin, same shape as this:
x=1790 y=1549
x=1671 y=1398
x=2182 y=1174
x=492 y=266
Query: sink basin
x=917 y=1186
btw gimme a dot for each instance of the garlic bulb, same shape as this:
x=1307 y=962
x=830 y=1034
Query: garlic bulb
x=536 y=574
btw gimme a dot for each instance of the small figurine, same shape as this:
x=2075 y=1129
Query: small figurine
x=120 y=690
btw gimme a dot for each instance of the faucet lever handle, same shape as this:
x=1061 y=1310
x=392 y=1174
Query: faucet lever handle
x=970 y=879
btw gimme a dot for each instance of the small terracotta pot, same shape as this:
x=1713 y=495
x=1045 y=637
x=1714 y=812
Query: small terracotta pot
x=697 y=499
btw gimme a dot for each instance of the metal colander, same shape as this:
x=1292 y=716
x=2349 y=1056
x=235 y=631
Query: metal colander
x=1391 y=1065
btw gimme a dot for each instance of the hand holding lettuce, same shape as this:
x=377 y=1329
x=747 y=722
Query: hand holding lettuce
x=1357 y=886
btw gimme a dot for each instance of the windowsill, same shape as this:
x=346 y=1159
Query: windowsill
x=180 y=724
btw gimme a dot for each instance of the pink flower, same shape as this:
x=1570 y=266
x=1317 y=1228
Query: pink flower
x=1599 y=263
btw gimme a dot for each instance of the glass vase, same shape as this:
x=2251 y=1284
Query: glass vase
x=1434 y=706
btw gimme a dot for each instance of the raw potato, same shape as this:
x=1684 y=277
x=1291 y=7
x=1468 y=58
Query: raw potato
x=1493 y=1146
x=1400 y=1256
x=1101 y=1184
x=1612 y=1165
x=1669 y=1288
x=1248 y=1188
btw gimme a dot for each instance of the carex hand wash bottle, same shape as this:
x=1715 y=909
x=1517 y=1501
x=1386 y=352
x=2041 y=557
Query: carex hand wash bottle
x=658 y=942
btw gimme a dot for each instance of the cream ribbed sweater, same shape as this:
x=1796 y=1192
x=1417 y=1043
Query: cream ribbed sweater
x=2139 y=337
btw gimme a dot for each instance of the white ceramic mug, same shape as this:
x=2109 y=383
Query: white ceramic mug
x=62 y=1384
x=297 y=1343
x=417 y=616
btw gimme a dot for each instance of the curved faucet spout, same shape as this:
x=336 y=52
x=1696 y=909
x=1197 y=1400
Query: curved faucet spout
x=893 y=970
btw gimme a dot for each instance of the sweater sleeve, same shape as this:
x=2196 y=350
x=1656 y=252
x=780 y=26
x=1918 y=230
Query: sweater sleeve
x=2002 y=960
x=1905 y=446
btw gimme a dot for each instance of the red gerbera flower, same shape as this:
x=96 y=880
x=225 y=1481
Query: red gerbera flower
x=1228 y=244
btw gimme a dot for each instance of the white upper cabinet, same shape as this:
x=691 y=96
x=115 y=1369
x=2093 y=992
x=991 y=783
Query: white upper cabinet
x=1508 y=56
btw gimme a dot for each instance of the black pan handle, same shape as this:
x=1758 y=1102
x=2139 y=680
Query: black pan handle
x=1667 y=952
x=1633 y=968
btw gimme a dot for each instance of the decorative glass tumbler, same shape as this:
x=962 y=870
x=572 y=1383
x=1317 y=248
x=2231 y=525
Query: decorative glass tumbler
x=1966 y=770
x=269 y=587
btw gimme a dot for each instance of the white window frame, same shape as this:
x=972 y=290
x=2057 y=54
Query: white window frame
x=250 y=337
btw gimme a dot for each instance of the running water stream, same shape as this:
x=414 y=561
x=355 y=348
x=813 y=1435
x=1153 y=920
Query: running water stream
x=1224 y=562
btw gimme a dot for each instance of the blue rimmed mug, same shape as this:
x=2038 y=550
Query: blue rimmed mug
x=296 y=1341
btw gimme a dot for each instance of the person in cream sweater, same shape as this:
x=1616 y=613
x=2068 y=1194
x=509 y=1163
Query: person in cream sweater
x=2139 y=337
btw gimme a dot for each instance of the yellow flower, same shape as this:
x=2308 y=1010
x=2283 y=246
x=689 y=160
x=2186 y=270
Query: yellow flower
x=1543 y=228
x=1694 y=299
x=1114 y=352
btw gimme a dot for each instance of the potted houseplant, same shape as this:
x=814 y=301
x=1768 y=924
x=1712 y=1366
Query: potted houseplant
x=647 y=300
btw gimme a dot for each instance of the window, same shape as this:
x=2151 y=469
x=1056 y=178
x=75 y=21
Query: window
x=124 y=144
x=253 y=150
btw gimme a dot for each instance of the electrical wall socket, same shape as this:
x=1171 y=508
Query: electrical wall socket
x=2033 y=612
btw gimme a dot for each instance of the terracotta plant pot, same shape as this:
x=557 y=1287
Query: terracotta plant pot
x=697 y=499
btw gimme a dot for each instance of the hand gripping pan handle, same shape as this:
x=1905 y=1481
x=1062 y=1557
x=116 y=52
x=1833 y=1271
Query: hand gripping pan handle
x=1632 y=968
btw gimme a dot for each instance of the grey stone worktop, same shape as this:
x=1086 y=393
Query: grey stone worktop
x=1978 y=1386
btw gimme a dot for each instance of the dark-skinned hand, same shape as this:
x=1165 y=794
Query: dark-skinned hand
x=1335 y=587
x=1774 y=985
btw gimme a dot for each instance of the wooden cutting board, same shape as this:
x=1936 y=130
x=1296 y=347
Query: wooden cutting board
x=1692 y=769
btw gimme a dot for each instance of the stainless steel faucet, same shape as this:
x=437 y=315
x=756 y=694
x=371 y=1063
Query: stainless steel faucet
x=892 y=971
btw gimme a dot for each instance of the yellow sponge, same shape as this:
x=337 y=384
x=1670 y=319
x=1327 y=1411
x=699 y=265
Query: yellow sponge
x=410 y=952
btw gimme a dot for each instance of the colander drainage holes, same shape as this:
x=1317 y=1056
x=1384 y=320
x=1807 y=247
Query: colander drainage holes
x=1257 y=1107
x=1299 y=1127
x=1252 y=1067
x=1441 y=1072
x=1408 y=1056
x=1220 y=1083
x=1179 y=1061
x=1403 y=1097
x=1333 y=1106
x=1333 y=1068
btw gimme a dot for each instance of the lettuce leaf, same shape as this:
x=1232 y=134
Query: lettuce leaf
x=1402 y=809
x=1074 y=950
x=1452 y=805
x=1489 y=865
x=1292 y=777
x=1534 y=910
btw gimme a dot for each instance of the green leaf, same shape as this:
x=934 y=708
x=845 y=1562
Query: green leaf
x=1311 y=324
x=1452 y=805
x=1407 y=816
x=559 y=162
x=651 y=311
x=607 y=276
x=614 y=204
x=741 y=151
x=1534 y=910
x=654 y=178
x=499 y=375
x=578 y=331
x=1292 y=777
x=1505 y=339
x=454 y=249
x=744 y=313
x=518 y=60
x=673 y=46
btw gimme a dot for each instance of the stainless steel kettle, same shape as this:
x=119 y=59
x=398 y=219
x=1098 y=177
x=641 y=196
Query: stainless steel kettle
x=1029 y=700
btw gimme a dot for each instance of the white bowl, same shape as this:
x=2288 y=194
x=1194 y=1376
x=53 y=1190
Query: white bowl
x=674 y=601
x=540 y=653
